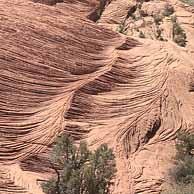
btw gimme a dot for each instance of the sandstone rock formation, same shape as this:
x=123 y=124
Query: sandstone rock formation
x=60 y=72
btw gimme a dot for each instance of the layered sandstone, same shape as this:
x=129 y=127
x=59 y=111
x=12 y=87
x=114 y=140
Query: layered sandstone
x=62 y=73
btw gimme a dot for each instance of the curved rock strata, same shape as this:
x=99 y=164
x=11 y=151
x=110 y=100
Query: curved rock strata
x=63 y=73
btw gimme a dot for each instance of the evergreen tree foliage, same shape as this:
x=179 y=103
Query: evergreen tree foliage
x=80 y=171
x=182 y=174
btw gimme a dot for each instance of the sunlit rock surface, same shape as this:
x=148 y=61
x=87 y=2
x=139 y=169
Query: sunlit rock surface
x=60 y=72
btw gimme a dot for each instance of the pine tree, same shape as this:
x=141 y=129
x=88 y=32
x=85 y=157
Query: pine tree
x=80 y=171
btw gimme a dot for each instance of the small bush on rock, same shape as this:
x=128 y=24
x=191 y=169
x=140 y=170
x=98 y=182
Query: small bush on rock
x=141 y=34
x=182 y=174
x=169 y=10
x=179 y=35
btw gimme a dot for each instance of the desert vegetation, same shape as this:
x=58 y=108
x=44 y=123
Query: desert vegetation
x=188 y=2
x=121 y=29
x=179 y=35
x=60 y=71
x=141 y=34
x=182 y=174
x=168 y=10
x=78 y=170
x=143 y=29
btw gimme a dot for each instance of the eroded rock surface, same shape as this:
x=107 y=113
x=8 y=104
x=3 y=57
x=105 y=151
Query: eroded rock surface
x=62 y=73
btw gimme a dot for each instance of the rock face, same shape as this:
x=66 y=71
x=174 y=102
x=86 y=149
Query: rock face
x=62 y=73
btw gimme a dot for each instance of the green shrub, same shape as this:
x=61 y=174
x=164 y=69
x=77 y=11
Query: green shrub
x=137 y=29
x=133 y=16
x=184 y=145
x=188 y=2
x=142 y=13
x=179 y=35
x=158 y=33
x=158 y=19
x=168 y=10
x=141 y=34
x=180 y=189
x=80 y=171
x=121 y=29
x=182 y=174
x=174 y=19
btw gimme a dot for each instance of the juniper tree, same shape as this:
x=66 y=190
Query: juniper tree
x=78 y=170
